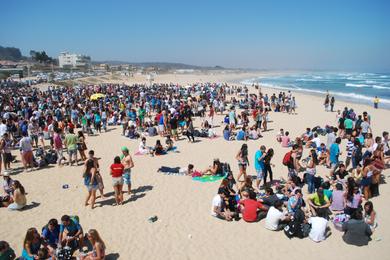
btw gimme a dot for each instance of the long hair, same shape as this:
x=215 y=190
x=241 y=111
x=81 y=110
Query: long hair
x=244 y=151
x=370 y=207
x=19 y=186
x=29 y=237
x=96 y=237
x=314 y=156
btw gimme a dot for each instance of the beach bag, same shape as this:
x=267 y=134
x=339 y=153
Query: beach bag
x=287 y=159
x=338 y=221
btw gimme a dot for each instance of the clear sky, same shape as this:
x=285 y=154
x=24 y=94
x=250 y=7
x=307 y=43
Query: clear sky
x=292 y=34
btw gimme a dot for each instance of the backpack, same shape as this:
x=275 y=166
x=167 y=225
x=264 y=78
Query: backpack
x=287 y=159
x=296 y=228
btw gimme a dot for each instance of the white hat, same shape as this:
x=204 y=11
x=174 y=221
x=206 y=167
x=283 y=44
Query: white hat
x=6 y=173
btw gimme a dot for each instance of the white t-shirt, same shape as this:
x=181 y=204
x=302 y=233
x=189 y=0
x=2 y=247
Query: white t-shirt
x=217 y=202
x=318 y=228
x=273 y=218
x=317 y=141
x=25 y=144
x=3 y=129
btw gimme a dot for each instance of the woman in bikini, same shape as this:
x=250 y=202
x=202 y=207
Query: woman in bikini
x=243 y=162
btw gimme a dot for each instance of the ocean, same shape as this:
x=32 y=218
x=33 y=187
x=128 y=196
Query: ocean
x=353 y=87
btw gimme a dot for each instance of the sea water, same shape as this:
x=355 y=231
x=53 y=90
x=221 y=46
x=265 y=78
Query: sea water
x=353 y=87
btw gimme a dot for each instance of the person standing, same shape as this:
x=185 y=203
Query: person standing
x=71 y=141
x=259 y=165
x=26 y=148
x=376 y=102
x=332 y=100
x=128 y=164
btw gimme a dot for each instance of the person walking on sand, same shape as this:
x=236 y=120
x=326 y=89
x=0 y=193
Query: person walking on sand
x=128 y=163
x=376 y=102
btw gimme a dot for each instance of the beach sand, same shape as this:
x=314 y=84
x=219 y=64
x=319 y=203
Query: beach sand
x=185 y=229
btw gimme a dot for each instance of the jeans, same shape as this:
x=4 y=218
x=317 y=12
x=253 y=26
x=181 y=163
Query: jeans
x=310 y=183
x=267 y=169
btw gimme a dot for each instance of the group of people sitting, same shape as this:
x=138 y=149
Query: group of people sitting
x=58 y=241
x=287 y=209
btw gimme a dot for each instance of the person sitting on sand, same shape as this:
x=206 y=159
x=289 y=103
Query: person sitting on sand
x=71 y=233
x=158 y=148
x=338 y=200
x=227 y=133
x=169 y=143
x=18 y=199
x=252 y=210
x=210 y=132
x=356 y=231
x=370 y=216
x=116 y=172
x=318 y=201
x=6 y=252
x=216 y=169
x=295 y=202
x=51 y=234
x=31 y=244
x=270 y=198
x=142 y=148
x=6 y=199
x=276 y=220
x=98 y=247
x=307 y=136
x=319 y=227
x=285 y=140
x=279 y=135
x=219 y=208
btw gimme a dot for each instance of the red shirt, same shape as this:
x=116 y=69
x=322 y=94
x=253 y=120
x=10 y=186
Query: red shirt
x=249 y=214
x=117 y=170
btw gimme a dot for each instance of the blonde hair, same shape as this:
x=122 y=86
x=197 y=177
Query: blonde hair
x=96 y=237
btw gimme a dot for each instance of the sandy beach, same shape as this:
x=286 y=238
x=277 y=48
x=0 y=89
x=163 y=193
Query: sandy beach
x=185 y=229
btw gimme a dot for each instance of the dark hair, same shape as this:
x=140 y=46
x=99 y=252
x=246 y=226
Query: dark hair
x=53 y=222
x=190 y=166
x=314 y=156
x=117 y=159
x=3 y=245
x=339 y=186
x=357 y=214
x=269 y=190
x=338 y=140
x=278 y=204
x=370 y=207
x=65 y=218
x=325 y=185
x=244 y=151
x=19 y=186
x=91 y=152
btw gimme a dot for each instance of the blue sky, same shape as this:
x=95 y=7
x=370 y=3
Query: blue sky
x=331 y=35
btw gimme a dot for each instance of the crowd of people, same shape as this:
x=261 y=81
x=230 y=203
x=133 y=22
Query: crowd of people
x=343 y=196
x=58 y=121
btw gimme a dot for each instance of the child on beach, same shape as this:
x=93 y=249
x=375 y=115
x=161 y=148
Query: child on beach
x=116 y=172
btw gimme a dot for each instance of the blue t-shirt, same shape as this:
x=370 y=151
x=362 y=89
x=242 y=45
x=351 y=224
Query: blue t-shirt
x=259 y=165
x=51 y=236
x=240 y=135
x=292 y=200
x=334 y=153
x=72 y=228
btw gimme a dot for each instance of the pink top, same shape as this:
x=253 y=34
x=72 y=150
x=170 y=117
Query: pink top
x=285 y=141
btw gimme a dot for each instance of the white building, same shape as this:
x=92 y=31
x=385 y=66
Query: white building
x=68 y=60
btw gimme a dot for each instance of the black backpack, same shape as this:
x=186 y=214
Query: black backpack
x=296 y=227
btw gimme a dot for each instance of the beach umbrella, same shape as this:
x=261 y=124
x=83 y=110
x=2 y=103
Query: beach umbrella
x=96 y=96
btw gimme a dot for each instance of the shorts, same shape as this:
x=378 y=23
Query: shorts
x=127 y=177
x=7 y=158
x=27 y=157
x=117 y=181
x=348 y=131
x=92 y=187
x=15 y=206
x=242 y=165
x=72 y=152
x=260 y=174
x=291 y=172
x=365 y=182
x=161 y=128
x=174 y=132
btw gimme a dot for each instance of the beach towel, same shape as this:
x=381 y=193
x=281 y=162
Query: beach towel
x=209 y=178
